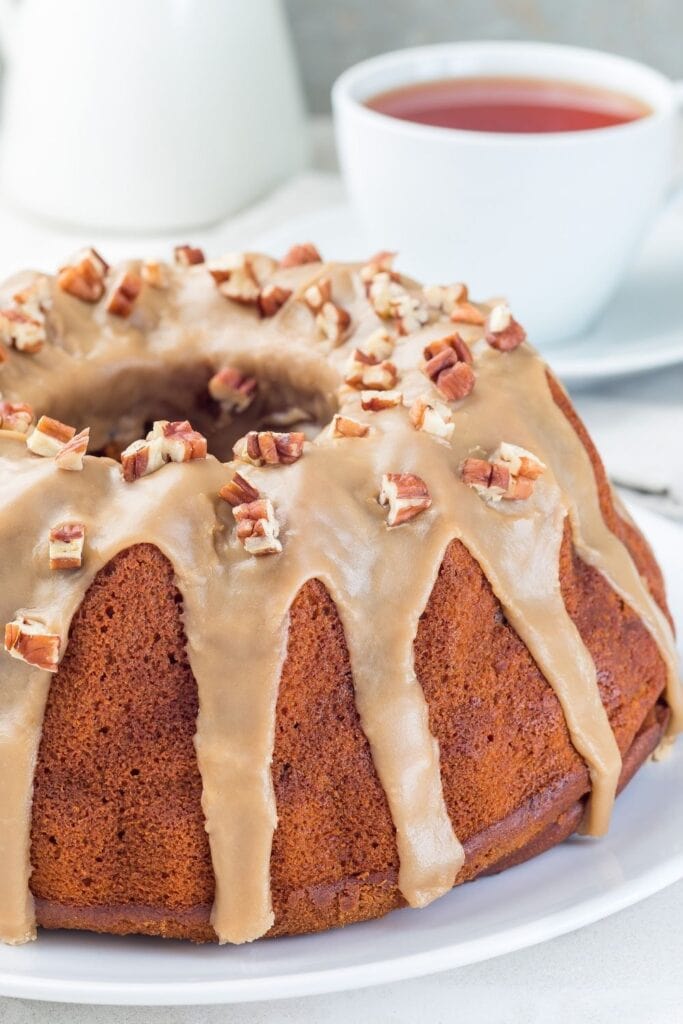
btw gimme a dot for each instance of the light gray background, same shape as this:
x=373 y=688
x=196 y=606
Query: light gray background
x=329 y=35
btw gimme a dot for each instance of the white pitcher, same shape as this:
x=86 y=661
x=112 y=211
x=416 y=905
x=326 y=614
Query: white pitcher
x=146 y=115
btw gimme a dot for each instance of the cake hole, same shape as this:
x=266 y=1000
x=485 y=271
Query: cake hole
x=123 y=409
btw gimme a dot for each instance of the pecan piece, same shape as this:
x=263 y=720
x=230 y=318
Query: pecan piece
x=390 y=300
x=377 y=401
x=238 y=491
x=453 y=378
x=48 y=437
x=241 y=286
x=301 y=254
x=433 y=417
x=381 y=263
x=70 y=455
x=24 y=332
x=452 y=341
x=141 y=458
x=65 y=542
x=267 y=448
x=380 y=344
x=405 y=495
x=125 y=291
x=16 y=416
x=187 y=255
x=166 y=442
x=155 y=274
x=333 y=323
x=318 y=293
x=84 y=277
x=179 y=442
x=502 y=330
x=445 y=298
x=257 y=527
x=467 y=313
x=456 y=382
x=520 y=461
x=508 y=474
x=364 y=371
x=29 y=641
x=233 y=389
x=344 y=426
x=272 y=298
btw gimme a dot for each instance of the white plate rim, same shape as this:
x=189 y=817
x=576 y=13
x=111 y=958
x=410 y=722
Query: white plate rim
x=314 y=982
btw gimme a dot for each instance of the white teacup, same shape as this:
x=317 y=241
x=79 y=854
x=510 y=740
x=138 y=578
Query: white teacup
x=550 y=220
x=146 y=115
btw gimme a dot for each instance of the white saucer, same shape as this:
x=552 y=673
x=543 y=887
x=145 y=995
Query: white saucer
x=572 y=885
x=641 y=330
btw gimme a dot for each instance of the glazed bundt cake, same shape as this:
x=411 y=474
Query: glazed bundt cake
x=339 y=611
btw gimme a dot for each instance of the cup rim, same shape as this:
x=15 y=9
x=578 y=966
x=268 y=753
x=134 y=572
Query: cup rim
x=343 y=93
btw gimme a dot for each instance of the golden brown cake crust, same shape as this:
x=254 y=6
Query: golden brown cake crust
x=118 y=840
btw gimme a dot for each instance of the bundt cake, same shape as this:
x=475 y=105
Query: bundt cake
x=338 y=612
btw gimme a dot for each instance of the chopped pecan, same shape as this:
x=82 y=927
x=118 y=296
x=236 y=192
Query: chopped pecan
x=391 y=300
x=180 y=443
x=445 y=298
x=301 y=254
x=241 y=286
x=70 y=455
x=16 y=416
x=333 y=323
x=187 y=255
x=432 y=417
x=453 y=378
x=29 y=641
x=456 y=382
x=405 y=495
x=452 y=341
x=66 y=541
x=318 y=293
x=125 y=291
x=238 y=491
x=344 y=426
x=380 y=344
x=36 y=297
x=225 y=266
x=233 y=389
x=84 y=277
x=25 y=332
x=377 y=401
x=272 y=298
x=502 y=330
x=155 y=274
x=467 y=313
x=257 y=527
x=520 y=461
x=381 y=263
x=166 y=442
x=141 y=458
x=265 y=447
x=508 y=474
x=49 y=436
x=365 y=371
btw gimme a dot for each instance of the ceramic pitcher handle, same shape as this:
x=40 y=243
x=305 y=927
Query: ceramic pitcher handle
x=8 y=15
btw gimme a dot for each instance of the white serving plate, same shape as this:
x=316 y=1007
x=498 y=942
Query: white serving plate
x=641 y=329
x=570 y=886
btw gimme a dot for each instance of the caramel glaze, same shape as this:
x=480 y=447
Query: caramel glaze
x=110 y=373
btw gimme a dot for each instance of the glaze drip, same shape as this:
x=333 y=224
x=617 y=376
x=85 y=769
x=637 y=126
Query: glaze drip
x=331 y=528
